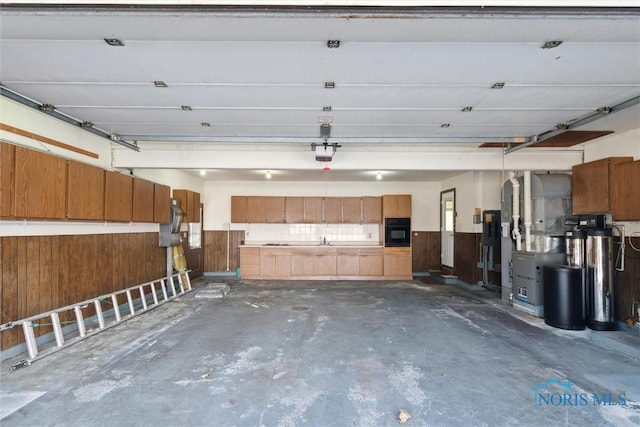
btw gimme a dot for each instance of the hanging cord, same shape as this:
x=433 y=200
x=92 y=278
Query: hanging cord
x=631 y=243
x=620 y=255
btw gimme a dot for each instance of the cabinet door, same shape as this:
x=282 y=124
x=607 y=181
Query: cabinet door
x=625 y=197
x=7 y=179
x=142 y=201
x=351 y=210
x=40 y=185
x=238 y=209
x=333 y=210
x=313 y=210
x=196 y=207
x=324 y=265
x=256 y=210
x=161 y=203
x=404 y=206
x=295 y=210
x=591 y=185
x=390 y=206
x=302 y=264
x=275 y=210
x=118 y=196
x=372 y=210
x=371 y=265
x=348 y=264
x=191 y=213
x=85 y=194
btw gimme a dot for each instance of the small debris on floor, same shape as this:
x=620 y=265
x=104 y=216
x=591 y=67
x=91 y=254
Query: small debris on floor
x=214 y=290
x=204 y=376
x=252 y=305
x=403 y=416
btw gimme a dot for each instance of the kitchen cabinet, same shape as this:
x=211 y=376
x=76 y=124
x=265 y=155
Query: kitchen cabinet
x=85 y=192
x=396 y=206
x=352 y=210
x=118 y=196
x=372 y=210
x=274 y=262
x=592 y=185
x=249 y=262
x=238 y=209
x=397 y=263
x=40 y=185
x=190 y=205
x=294 y=210
x=7 y=179
x=142 y=208
x=324 y=264
x=625 y=195
x=161 y=204
x=302 y=264
x=348 y=262
x=371 y=264
x=275 y=210
x=333 y=210
x=313 y=210
x=256 y=210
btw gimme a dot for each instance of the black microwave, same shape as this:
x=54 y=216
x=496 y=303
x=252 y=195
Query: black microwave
x=397 y=232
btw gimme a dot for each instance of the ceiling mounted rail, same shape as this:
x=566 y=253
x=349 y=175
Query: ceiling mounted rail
x=564 y=127
x=321 y=139
x=51 y=111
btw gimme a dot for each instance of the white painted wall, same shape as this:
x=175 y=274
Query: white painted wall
x=217 y=197
x=173 y=178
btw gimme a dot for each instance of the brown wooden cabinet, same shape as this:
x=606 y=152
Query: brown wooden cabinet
x=625 y=194
x=371 y=264
x=238 y=209
x=249 y=262
x=302 y=264
x=348 y=262
x=294 y=210
x=592 y=185
x=7 y=179
x=118 y=196
x=313 y=210
x=143 y=207
x=256 y=209
x=352 y=210
x=372 y=210
x=190 y=205
x=85 y=191
x=396 y=206
x=275 y=210
x=161 y=204
x=40 y=185
x=397 y=263
x=333 y=210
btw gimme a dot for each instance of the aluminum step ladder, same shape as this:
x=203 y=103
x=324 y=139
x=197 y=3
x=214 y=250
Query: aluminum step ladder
x=149 y=295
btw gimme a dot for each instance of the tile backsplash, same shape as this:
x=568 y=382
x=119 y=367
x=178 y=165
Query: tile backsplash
x=310 y=233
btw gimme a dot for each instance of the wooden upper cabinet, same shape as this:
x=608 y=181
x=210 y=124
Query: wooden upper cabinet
x=256 y=209
x=85 y=194
x=275 y=210
x=7 y=179
x=161 y=204
x=294 y=210
x=40 y=185
x=352 y=210
x=238 y=209
x=190 y=205
x=196 y=207
x=372 y=210
x=625 y=194
x=143 y=206
x=118 y=196
x=592 y=185
x=396 y=206
x=333 y=210
x=313 y=210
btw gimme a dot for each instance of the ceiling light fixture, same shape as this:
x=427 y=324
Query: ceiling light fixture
x=329 y=85
x=185 y=108
x=268 y=175
x=467 y=109
x=114 y=42
x=497 y=85
x=379 y=175
x=159 y=83
x=333 y=44
x=551 y=44
x=203 y=172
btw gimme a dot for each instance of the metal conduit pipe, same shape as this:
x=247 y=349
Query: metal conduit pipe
x=516 y=210
x=527 y=211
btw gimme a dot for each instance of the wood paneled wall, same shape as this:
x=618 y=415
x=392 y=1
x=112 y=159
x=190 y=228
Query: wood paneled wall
x=215 y=250
x=426 y=250
x=467 y=255
x=626 y=291
x=42 y=273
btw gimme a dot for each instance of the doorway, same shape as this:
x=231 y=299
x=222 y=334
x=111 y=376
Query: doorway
x=447 y=226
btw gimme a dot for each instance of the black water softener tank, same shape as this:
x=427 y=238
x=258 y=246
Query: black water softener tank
x=564 y=297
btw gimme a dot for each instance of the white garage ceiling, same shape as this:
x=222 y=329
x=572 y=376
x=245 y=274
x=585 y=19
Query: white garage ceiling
x=258 y=75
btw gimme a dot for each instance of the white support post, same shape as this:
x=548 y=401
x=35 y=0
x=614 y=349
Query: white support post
x=132 y=310
x=57 y=329
x=143 y=297
x=99 y=314
x=30 y=339
x=80 y=320
x=116 y=307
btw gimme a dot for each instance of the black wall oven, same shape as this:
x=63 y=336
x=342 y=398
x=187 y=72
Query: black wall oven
x=397 y=232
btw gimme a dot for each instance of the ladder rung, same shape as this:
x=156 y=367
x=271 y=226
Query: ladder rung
x=99 y=314
x=143 y=298
x=153 y=292
x=164 y=290
x=57 y=329
x=80 y=319
x=30 y=339
x=116 y=307
x=173 y=286
x=132 y=310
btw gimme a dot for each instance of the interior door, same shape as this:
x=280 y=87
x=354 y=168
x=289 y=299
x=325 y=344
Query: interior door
x=447 y=226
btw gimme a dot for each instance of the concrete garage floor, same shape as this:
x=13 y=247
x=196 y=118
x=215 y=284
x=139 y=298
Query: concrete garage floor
x=326 y=354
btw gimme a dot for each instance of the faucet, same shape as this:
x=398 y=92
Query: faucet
x=323 y=242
